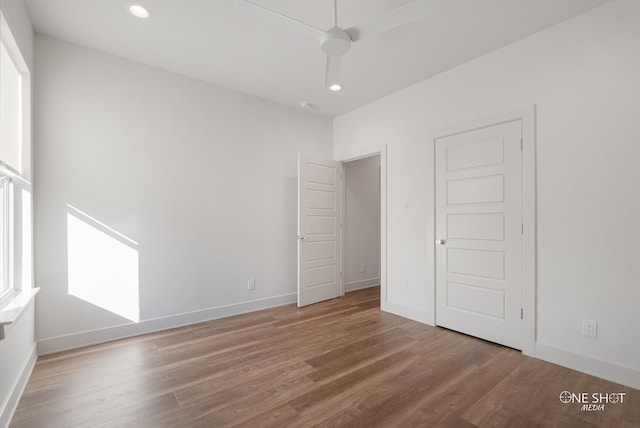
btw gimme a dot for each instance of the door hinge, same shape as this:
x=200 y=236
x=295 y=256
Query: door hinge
x=522 y=228
x=521 y=144
x=521 y=313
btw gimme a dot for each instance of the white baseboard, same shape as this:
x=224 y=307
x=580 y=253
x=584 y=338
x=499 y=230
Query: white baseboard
x=11 y=404
x=407 y=312
x=93 y=337
x=603 y=369
x=359 y=285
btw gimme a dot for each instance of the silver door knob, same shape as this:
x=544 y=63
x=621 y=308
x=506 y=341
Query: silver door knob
x=440 y=241
x=302 y=237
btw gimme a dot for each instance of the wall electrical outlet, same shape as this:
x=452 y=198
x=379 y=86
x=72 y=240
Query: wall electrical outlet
x=589 y=328
x=251 y=284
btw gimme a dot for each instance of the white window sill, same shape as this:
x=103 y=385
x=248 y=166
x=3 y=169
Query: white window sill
x=13 y=306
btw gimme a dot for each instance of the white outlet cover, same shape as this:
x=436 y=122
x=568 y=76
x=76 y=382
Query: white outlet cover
x=589 y=328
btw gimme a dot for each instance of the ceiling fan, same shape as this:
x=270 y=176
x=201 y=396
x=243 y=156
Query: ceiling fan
x=337 y=41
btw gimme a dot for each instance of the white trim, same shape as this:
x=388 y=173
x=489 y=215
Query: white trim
x=359 y=285
x=343 y=234
x=361 y=154
x=527 y=115
x=595 y=367
x=11 y=403
x=407 y=312
x=529 y=258
x=14 y=305
x=6 y=169
x=93 y=337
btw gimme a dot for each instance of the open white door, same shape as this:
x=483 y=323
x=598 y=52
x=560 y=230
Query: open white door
x=319 y=223
x=479 y=231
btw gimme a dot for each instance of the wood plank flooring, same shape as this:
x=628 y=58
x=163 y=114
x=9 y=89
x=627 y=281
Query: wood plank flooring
x=341 y=363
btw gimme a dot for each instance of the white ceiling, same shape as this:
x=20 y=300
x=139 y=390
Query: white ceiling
x=210 y=41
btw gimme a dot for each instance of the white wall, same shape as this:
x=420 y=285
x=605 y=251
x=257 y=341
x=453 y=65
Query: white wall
x=362 y=223
x=202 y=178
x=583 y=77
x=17 y=350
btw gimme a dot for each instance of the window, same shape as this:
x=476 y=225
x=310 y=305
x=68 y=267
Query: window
x=14 y=143
x=10 y=110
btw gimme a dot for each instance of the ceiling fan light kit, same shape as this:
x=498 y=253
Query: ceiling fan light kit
x=336 y=42
x=138 y=11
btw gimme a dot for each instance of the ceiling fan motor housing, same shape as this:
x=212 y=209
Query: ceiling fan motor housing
x=335 y=42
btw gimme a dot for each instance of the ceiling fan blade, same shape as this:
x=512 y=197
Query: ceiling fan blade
x=394 y=18
x=279 y=19
x=332 y=76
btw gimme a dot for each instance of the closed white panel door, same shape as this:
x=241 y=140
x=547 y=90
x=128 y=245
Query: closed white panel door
x=319 y=222
x=479 y=233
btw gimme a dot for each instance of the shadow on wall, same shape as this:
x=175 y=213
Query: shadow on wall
x=103 y=265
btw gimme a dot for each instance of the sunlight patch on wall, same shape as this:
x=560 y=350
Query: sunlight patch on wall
x=103 y=265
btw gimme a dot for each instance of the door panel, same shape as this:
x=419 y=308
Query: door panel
x=319 y=211
x=488 y=227
x=478 y=226
x=476 y=300
x=479 y=263
x=475 y=190
x=480 y=153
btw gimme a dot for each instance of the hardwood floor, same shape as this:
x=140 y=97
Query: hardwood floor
x=337 y=363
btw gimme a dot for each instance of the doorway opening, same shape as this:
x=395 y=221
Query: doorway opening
x=361 y=231
x=365 y=191
x=322 y=230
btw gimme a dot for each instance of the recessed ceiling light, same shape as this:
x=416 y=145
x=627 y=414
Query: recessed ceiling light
x=335 y=87
x=139 y=11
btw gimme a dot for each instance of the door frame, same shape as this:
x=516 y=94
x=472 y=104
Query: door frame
x=353 y=156
x=527 y=116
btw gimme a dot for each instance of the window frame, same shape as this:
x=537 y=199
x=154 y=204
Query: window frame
x=15 y=170
x=7 y=248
